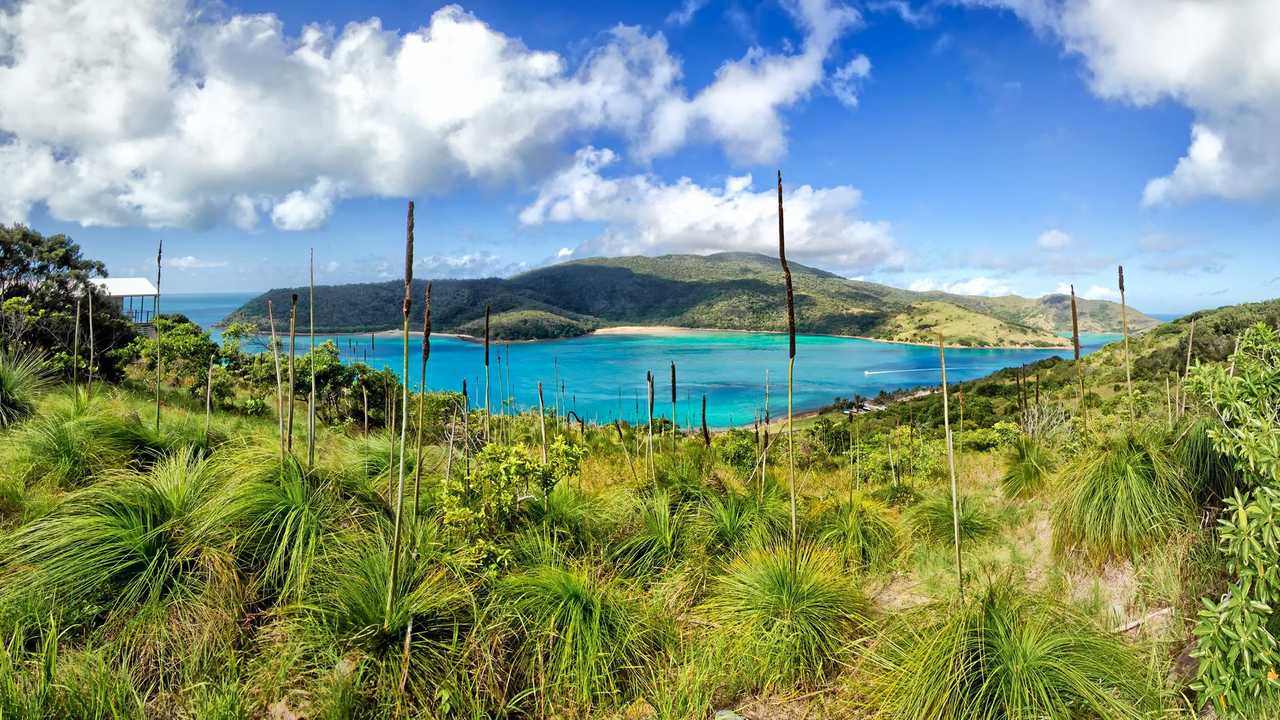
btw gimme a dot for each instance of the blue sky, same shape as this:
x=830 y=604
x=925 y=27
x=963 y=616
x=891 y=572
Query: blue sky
x=987 y=146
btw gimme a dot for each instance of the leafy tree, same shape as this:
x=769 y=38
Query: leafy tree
x=41 y=278
x=1238 y=635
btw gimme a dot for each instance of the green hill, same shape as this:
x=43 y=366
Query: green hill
x=740 y=291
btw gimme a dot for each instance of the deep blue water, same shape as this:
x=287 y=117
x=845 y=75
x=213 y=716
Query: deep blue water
x=604 y=375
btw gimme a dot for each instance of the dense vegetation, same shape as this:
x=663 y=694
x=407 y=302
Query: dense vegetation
x=1105 y=554
x=727 y=291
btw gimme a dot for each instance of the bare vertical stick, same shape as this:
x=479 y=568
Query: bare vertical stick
x=1186 y=369
x=156 y=320
x=542 y=423
x=706 y=434
x=311 y=398
x=364 y=391
x=791 y=371
x=293 y=327
x=1075 y=343
x=951 y=463
x=275 y=355
x=648 y=376
x=486 y=373
x=75 y=350
x=422 y=402
x=404 y=420
x=91 y=358
x=675 y=422
x=1124 y=322
x=1168 y=402
x=764 y=462
x=208 y=400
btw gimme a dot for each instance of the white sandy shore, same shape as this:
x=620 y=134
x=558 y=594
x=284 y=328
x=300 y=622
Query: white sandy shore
x=675 y=330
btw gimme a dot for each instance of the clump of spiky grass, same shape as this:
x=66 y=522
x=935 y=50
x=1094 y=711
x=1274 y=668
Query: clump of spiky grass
x=933 y=521
x=865 y=532
x=657 y=542
x=22 y=378
x=782 y=617
x=729 y=521
x=1121 y=498
x=130 y=554
x=582 y=640
x=46 y=681
x=1029 y=465
x=1210 y=475
x=574 y=519
x=343 y=632
x=73 y=441
x=273 y=515
x=1006 y=655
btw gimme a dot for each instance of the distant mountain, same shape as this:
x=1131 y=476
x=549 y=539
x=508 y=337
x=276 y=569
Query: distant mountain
x=741 y=291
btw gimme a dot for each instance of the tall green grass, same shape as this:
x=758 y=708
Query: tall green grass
x=1121 y=498
x=933 y=520
x=865 y=532
x=581 y=639
x=1029 y=466
x=658 y=540
x=341 y=634
x=1006 y=655
x=780 y=617
x=22 y=378
x=71 y=442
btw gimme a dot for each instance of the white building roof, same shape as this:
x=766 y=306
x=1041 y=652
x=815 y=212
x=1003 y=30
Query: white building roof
x=122 y=286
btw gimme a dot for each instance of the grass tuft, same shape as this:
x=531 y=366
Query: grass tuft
x=1030 y=465
x=932 y=519
x=1120 y=499
x=866 y=533
x=1006 y=655
x=22 y=378
x=783 y=617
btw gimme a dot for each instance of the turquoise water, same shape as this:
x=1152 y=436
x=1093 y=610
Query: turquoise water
x=604 y=375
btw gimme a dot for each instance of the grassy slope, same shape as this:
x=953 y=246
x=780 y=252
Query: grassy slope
x=724 y=291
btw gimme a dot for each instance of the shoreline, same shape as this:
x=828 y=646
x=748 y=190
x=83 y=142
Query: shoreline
x=678 y=330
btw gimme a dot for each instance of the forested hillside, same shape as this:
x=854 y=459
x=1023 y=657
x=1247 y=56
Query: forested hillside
x=724 y=291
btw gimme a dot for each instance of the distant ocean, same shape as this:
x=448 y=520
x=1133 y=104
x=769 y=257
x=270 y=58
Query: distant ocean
x=204 y=309
x=1166 y=317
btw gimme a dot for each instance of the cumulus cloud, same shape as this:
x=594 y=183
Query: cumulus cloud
x=644 y=215
x=1217 y=58
x=149 y=112
x=191 y=262
x=307 y=210
x=1093 y=292
x=845 y=81
x=989 y=287
x=467 y=265
x=1054 y=240
x=741 y=106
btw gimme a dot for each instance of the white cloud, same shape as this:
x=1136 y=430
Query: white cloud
x=191 y=262
x=564 y=252
x=989 y=287
x=151 y=112
x=684 y=14
x=1220 y=59
x=1054 y=240
x=644 y=215
x=1093 y=292
x=741 y=107
x=844 y=83
x=305 y=210
x=904 y=10
x=467 y=265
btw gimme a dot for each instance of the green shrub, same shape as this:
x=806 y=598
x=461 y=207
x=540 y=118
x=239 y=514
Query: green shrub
x=581 y=640
x=1120 y=499
x=1006 y=655
x=865 y=532
x=22 y=378
x=782 y=618
x=1029 y=465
